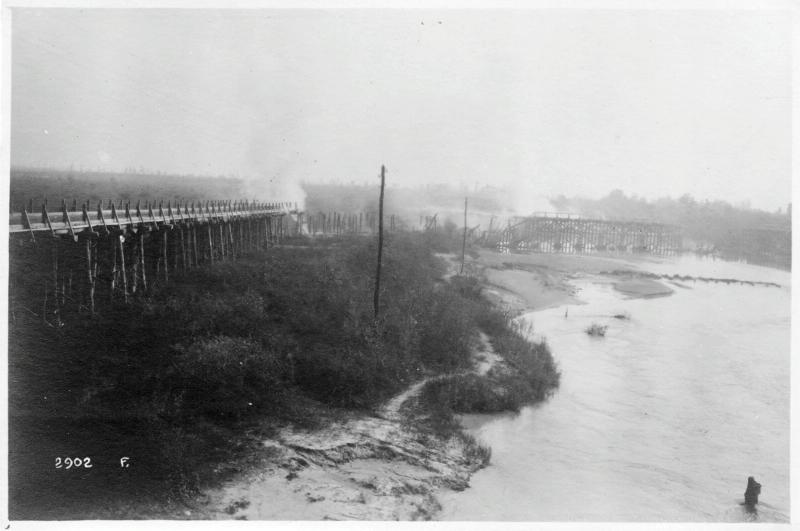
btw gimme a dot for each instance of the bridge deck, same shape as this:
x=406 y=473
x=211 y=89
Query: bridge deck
x=66 y=221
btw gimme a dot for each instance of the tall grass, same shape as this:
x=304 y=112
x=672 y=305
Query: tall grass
x=530 y=373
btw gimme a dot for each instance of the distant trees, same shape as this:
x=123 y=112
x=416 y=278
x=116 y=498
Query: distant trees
x=36 y=184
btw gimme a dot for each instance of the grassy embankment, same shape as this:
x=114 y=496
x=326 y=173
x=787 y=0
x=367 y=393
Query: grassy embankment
x=526 y=375
x=173 y=381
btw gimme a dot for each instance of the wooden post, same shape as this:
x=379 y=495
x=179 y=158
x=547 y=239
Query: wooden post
x=222 y=239
x=464 y=241
x=210 y=244
x=376 y=297
x=56 y=243
x=141 y=257
x=164 y=256
x=194 y=244
x=135 y=274
x=183 y=248
x=231 y=245
x=90 y=275
x=113 y=285
x=122 y=267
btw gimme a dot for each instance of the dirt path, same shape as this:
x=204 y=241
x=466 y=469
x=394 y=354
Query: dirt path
x=484 y=358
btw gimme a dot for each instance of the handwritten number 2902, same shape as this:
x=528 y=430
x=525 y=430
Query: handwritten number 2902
x=69 y=462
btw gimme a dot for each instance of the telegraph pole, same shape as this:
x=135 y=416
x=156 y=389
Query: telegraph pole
x=464 y=241
x=376 y=298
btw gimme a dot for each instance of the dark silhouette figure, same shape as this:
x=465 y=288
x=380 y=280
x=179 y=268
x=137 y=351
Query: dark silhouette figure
x=751 y=494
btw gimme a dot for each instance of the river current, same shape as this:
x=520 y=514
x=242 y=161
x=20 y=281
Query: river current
x=663 y=419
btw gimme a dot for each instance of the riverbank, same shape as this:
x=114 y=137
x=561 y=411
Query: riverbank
x=309 y=409
x=388 y=464
x=264 y=378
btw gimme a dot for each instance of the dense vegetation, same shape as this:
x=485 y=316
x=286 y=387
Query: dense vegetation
x=526 y=375
x=287 y=335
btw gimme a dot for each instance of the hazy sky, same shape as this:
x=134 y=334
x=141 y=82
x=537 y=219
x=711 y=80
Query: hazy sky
x=563 y=101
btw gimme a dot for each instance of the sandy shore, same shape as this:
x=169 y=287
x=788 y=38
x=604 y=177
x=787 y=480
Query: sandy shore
x=523 y=282
x=643 y=288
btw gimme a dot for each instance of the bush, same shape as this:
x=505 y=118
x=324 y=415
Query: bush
x=227 y=376
x=448 y=331
x=597 y=330
x=467 y=393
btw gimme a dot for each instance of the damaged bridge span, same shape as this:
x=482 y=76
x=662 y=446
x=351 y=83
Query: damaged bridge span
x=567 y=233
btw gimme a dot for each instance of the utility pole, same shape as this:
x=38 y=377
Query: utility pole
x=464 y=242
x=376 y=299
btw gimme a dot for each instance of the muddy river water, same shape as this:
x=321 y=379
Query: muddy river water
x=663 y=419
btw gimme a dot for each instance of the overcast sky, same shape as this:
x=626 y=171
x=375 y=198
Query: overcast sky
x=565 y=101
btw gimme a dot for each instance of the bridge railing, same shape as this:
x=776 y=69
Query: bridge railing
x=67 y=221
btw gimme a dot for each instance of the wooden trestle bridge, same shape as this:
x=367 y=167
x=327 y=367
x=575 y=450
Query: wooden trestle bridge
x=79 y=259
x=567 y=233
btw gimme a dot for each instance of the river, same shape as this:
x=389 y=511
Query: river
x=663 y=419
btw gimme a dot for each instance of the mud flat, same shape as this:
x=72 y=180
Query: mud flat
x=522 y=282
x=361 y=469
x=643 y=288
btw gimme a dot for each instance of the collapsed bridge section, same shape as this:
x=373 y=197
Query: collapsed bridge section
x=567 y=233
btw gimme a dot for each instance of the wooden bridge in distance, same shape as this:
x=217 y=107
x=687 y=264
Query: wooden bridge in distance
x=568 y=233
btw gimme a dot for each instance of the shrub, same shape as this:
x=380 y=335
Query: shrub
x=341 y=376
x=448 y=331
x=533 y=361
x=226 y=376
x=597 y=330
x=467 y=393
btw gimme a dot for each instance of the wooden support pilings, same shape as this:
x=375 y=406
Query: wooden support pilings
x=210 y=244
x=90 y=273
x=86 y=259
x=164 y=254
x=121 y=240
